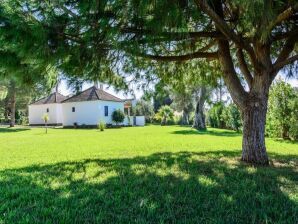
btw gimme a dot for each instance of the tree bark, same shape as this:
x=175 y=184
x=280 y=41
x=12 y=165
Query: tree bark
x=253 y=143
x=185 y=117
x=254 y=120
x=253 y=104
x=12 y=104
x=6 y=109
x=199 y=119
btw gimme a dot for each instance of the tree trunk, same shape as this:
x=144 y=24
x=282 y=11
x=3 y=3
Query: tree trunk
x=12 y=104
x=285 y=132
x=185 y=117
x=163 y=121
x=6 y=108
x=253 y=144
x=254 y=120
x=199 y=119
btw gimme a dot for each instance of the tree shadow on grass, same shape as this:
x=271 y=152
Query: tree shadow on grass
x=9 y=130
x=184 y=187
x=207 y=132
x=295 y=142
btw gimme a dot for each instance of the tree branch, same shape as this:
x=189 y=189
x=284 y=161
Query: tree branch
x=209 y=55
x=229 y=74
x=280 y=65
x=243 y=67
x=284 y=35
x=220 y=23
x=283 y=16
x=224 y=28
x=172 y=35
x=208 y=46
x=288 y=48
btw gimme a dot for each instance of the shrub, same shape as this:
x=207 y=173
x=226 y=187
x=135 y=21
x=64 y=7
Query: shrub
x=24 y=121
x=214 y=116
x=46 y=119
x=232 y=117
x=101 y=125
x=165 y=114
x=282 y=111
x=118 y=116
x=178 y=119
x=293 y=132
x=144 y=108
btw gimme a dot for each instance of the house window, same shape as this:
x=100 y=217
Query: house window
x=48 y=110
x=73 y=109
x=106 y=111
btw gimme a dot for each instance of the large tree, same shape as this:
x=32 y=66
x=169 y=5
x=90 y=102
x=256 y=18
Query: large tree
x=23 y=80
x=251 y=40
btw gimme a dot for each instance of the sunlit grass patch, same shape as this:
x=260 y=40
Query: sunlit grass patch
x=143 y=175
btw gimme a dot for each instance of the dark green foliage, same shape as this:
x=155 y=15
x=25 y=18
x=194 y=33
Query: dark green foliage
x=293 y=132
x=232 y=117
x=282 y=111
x=118 y=116
x=25 y=94
x=144 y=108
x=215 y=116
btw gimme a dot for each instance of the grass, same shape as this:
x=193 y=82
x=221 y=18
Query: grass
x=142 y=175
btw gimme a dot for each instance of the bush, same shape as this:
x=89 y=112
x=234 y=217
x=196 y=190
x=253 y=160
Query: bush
x=282 y=111
x=144 y=108
x=232 y=117
x=165 y=115
x=293 y=132
x=118 y=116
x=24 y=121
x=178 y=119
x=45 y=117
x=214 y=116
x=101 y=126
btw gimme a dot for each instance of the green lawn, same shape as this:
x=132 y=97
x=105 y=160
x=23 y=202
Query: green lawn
x=142 y=175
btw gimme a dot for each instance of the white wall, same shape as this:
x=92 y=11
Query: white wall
x=89 y=112
x=140 y=120
x=37 y=111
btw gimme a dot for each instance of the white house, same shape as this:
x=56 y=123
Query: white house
x=86 y=108
x=51 y=105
